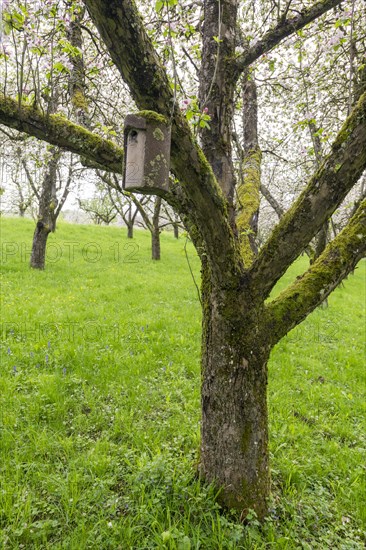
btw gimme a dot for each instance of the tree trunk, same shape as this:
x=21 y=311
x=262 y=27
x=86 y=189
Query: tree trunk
x=46 y=215
x=234 y=433
x=155 y=230
x=155 y=244
x=217 y=88
x=130 y=231
x=248 y=190
x=176 y=231
x=129 y=222
x=38 y=256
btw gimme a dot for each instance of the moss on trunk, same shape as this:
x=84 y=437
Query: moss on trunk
x=248 y=198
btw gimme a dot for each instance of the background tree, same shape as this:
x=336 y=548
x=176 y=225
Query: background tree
x=100 y=207
x=122 y=201
x=21 y=192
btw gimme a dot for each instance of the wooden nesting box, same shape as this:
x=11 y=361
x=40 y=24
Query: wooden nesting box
x=147 y=153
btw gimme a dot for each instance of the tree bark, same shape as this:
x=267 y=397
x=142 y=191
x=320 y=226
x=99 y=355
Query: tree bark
x=155 y=244
x=340 y=170
x=129 y=221
x=234 y=432
x=77 y=87
x=46 y=214
x=38 y=255
x=217 y=88
x=248 y=194
x=58 y=130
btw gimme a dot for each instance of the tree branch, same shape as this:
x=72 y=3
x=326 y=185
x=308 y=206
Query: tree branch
x=340 y=170
x=59 y=131
x=284 y=29
x=142 y=211
x=30 y=178
x=272 y=201
x=338 y=259
x=198 y=198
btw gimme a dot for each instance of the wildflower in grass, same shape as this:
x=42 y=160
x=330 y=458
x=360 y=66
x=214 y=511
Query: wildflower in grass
x=14 y=369
x=48 y=344
x=64 y=371
x=46 y=358
x=9 y=351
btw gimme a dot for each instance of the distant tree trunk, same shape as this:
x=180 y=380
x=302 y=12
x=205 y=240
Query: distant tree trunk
x=46 y=215
x=40 y=236
x=155 y=231
x=130 y=221
x=176 y=226
x=130 y=231
x=77 y=87
x=155 y=244
x=320 y=242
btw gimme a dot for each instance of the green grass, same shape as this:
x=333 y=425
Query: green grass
x=99 y=393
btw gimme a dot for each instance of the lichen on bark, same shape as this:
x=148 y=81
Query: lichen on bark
x=312 y=288
x=248 y=201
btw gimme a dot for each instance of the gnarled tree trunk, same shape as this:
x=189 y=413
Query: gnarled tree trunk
x=234 y=430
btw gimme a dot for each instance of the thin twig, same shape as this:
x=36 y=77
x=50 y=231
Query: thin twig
x=190 y=269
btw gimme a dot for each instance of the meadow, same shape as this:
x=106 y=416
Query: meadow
x=100 y=405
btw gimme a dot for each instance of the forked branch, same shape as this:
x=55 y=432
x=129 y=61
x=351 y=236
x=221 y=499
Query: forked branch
x=338 y=259
x=284 y=29
x=340 y=170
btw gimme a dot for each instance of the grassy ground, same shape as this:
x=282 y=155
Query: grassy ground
x=99 y=400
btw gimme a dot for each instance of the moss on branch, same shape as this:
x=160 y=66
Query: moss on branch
x=248 y=199
x=152 y=116
x=59 y=131
x=339 y=172
x=312 y=288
